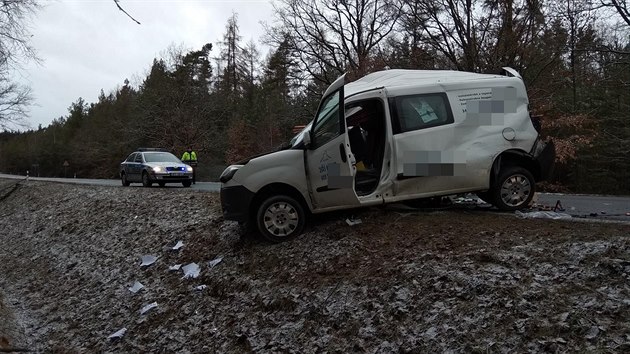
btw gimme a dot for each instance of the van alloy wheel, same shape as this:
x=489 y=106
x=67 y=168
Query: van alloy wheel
x=280 y=218
x=514 y=189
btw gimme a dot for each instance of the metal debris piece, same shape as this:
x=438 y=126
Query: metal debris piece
x=148 y=307
x=118 y=334
x=148 y=260
x=191 y=270
x=136 y=287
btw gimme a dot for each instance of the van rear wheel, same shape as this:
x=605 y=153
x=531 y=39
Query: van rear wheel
x=280 y=218
x=514 y=189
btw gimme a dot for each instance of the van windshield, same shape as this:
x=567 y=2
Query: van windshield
x=297 y=139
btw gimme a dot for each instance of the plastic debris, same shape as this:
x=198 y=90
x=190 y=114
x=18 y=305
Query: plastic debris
x=201 y=287
x=136 y=287
x=148 y=307
x=179 y=245
x=148 y=260
x=191 y=270
x=215 y=261
x=118 y=334
x=353 y=222
x=542 y=215
x=174 y=267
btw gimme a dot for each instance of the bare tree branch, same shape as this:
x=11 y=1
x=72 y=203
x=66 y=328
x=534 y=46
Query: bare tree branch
x=125 y=12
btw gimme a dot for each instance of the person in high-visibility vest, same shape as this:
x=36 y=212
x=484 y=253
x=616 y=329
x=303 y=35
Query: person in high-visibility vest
x=190 y=158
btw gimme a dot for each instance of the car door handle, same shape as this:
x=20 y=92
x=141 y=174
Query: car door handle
x=342 y=151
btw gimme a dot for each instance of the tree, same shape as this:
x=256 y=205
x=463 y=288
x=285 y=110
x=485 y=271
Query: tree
x=341 y=35
x=473 y=35
x=14 y=50
x=622 y=7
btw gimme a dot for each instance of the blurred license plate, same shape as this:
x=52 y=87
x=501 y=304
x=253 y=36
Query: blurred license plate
x=177 y=174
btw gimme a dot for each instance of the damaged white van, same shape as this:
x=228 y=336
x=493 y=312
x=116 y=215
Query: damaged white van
x=393 y=136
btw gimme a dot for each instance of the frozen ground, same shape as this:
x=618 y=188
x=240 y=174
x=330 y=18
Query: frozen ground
x=455 y=281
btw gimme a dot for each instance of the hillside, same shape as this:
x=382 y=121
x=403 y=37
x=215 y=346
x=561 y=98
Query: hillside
x=464 y=281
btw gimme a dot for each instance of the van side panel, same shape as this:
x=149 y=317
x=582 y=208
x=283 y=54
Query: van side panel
x=458 y=157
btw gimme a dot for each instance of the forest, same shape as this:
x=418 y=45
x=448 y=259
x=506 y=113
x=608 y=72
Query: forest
x=228 y=101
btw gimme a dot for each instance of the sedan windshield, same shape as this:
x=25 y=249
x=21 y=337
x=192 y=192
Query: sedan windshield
x=160 y=157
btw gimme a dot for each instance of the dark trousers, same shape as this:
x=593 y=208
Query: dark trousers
x=192 y=164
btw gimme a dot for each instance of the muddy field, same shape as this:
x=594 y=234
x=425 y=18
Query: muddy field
x=457 y=280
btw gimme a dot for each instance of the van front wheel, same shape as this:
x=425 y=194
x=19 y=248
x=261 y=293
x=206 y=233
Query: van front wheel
x=280 y=218
x=514 y=189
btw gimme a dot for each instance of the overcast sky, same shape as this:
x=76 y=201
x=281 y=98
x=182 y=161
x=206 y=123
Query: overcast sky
x=89 y=45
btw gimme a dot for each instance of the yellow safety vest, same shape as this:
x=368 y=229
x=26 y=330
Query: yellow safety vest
x=189 y=156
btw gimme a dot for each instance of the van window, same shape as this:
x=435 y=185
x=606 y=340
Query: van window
x=420 y=112
x=328 y=126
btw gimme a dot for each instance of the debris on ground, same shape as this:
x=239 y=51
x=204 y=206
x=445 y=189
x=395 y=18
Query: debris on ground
x=457 y=280
x=118 y=334
x=177 y=246
x=214 y=262
x=148 y=307
x=542 y=215
x=148 y=260
x=353 y=222
x=136 y=287
x=191 y=270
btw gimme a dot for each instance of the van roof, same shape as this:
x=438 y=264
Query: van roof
x=404 y=77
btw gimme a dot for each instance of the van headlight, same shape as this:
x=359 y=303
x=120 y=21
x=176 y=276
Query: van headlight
x=229 y=173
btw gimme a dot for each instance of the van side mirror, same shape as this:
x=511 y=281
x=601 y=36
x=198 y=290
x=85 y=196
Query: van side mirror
x=307 y=140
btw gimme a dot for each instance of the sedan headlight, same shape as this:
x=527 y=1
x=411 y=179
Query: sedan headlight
x=229 y=173
x=189 y=169
x=157 y=169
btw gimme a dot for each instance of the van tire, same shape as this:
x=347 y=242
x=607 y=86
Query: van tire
x=514 y=189
x=280 y=218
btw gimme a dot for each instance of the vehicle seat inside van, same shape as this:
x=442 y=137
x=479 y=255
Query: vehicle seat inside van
x=367 y=150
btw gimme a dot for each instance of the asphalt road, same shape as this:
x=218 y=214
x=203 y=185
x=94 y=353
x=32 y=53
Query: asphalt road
x=201 y=186
x=582 y=206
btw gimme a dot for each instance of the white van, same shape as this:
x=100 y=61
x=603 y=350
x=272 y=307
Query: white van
x=401 y=135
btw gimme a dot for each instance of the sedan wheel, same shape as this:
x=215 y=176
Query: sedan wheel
x=123 y=178
x=146 y=180
x=280 y=218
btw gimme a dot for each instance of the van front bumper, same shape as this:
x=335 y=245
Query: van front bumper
x=236 y=202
